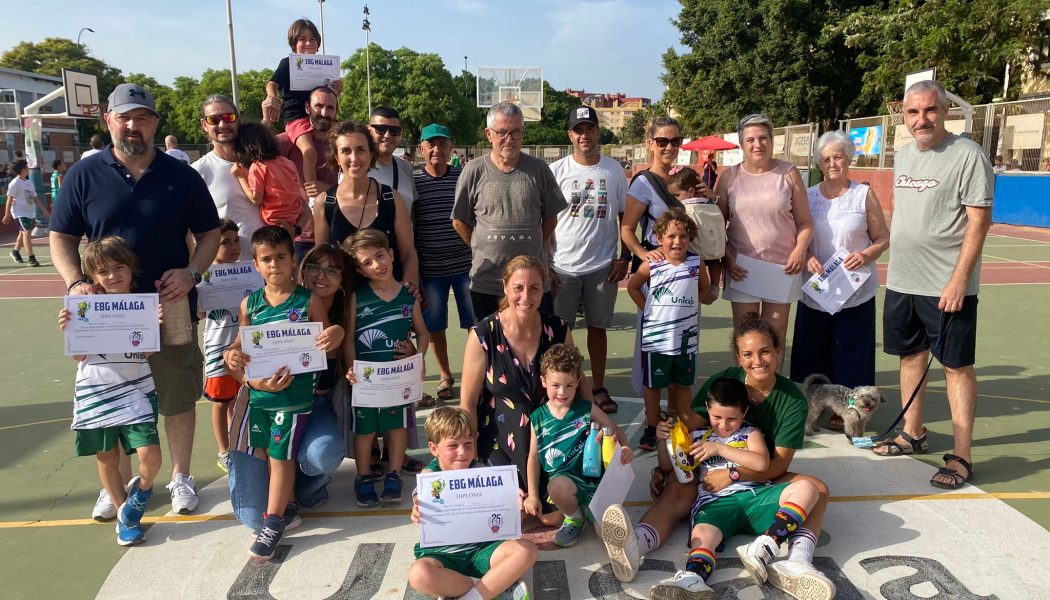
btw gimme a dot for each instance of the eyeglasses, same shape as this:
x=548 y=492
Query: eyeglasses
x=514 y=134
x=314 y=269
x=662 y=141
x=381 y=130
x=215 y=119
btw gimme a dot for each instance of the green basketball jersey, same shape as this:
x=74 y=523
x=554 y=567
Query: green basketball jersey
x=560 y=442
x=295 y=309
x=379 y=324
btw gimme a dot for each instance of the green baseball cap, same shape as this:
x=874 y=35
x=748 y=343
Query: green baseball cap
x=434 y=130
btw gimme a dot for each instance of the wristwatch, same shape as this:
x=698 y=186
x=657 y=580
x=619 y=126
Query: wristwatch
x=194 y=274
x=734 y=475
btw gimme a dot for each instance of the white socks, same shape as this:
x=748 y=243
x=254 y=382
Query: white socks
x=801 y=545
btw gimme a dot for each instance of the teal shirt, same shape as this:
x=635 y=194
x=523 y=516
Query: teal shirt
x=380 y=324
x=295 y=309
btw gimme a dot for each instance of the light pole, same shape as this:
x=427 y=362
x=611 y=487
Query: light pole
x=368 y=68
x=321 y=2
x=81 y=32
x=465 y=64
x=233 y=56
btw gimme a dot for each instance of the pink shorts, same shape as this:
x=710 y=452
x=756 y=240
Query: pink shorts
x=297 y=128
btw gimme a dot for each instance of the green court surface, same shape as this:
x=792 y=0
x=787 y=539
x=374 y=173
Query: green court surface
x=51 y=549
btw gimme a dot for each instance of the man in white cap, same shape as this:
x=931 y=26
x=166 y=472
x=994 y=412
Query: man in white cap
x=153 y=201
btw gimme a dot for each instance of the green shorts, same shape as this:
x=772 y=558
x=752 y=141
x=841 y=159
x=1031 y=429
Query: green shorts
x=585 y=488
x=471 y=560
x=748 y=511
x=659 y=371
x=369 y=420
x=278 y=431
x=92 y=441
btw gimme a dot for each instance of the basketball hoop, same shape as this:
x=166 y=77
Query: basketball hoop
x=896 y=112
x=93 y=110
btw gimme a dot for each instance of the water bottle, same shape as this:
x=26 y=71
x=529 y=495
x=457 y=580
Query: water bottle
x=592 y=454
x=678 y=445
x=177 y=328
x=608 y=446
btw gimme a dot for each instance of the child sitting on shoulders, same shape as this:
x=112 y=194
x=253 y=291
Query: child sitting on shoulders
x=560 y=428
x=757 y=507
x=700 y=205
x=382 y=315
x=115 y=401
x=270 y=180
x=466 y=571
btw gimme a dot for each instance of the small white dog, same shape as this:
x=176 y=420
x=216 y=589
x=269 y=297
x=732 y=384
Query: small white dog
x=854 y=405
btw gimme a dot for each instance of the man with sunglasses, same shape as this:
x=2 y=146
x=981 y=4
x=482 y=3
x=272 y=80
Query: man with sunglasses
x=385 y=124
x=154 y=202
x=507 y=204
x=220 y=121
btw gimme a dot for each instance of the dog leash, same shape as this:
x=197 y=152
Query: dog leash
x=870 y=441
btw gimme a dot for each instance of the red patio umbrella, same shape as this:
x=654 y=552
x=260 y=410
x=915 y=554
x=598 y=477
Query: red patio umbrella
x=710 y=143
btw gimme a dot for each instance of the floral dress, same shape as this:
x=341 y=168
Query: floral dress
x=510 y=393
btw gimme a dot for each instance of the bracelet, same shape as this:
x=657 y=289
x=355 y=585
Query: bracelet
x=75 y=284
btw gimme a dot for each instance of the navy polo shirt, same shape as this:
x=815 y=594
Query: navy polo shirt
x=100 y=198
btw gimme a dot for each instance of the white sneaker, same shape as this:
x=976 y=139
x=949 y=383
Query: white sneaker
x=621 y=543
x=183 y=494
x=104 y=509
x=800 y=580
x=685 y=585
x=757 y=555
x=518 y=591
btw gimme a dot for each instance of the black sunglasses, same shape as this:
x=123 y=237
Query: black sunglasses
x=394 y=130
x=662 y=141
x=215 y=119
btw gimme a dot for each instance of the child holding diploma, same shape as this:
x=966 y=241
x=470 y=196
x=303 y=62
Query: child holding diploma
x=382 y=314
x=744 y=506
x=454 y=571
x=559 y=434
x=676 y=281
x=279 y=405
x=115 y=401
x=220 y=330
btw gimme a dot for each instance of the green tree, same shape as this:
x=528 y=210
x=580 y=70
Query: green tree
x=417 y=85
x=179 y=105
x=970 y=44
x=770 y=56
x=634 y=131
x=53 y=54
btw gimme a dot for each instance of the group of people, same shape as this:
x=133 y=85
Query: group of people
x=346 y=234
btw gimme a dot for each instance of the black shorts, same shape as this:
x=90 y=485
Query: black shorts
x=912 y=324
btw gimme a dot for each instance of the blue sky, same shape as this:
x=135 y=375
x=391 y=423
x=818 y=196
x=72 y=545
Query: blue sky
x=598 y=45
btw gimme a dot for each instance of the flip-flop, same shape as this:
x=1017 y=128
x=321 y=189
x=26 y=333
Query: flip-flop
x=608 y=406
x=444 y=389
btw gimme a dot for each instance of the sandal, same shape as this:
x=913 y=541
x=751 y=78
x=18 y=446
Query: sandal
x=376 y=466
x=955 y=480
x=893 y=448
x=608 y=406
x=444 y=389
x=426 y=401
x=836 y=423
x=412 y=465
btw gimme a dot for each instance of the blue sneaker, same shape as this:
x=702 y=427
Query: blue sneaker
x=130 y=512
x=365 y=492
x=269 y=535
x=129 y=535
x=392 y=487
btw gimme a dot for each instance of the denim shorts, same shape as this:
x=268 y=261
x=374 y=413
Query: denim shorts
x=435 y=294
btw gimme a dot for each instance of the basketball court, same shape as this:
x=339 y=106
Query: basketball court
x=890 y=535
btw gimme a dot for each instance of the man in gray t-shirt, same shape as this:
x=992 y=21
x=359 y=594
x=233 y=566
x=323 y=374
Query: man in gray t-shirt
x=942 y=197
x=507 y=204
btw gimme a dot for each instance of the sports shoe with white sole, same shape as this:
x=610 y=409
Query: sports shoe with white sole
x=183 y=494
x=621 y=543
x=685 y=585
x=800 y=580
x=292 y=520
x=104 y=509
x=757 y=555
x=518 y=591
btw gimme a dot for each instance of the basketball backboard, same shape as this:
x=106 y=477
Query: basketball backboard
x=81 y=94
x=520 y=85
x=917 y=76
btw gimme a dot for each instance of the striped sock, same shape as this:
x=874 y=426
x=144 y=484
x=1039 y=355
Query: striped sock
x=701 y=561
x=648 y=539
x=801 y=545
x=789 y=517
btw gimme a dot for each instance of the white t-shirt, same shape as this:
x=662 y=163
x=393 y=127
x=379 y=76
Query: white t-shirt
x=21 y=191
x=88 y=153
x=406 y=184
x=179 y=154
x=113 y=390
x=587 y=237
x=229 y=198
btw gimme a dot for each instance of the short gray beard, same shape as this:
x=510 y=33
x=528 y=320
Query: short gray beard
x=132 y=147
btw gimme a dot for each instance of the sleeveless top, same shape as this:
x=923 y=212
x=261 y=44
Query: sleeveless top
x=339 y=228
x=560 y=442
x=842 y=223
x=511 y=392
x=761 y=224
x=295 y=309
x=113 y=389
x=220 y=330
x=738 y=439
x=379 y=324
x=669 y=324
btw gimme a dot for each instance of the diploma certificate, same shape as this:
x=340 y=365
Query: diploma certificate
x=104 y=323
x=383 y=384
x=766 y=280
x=307 y=71
x=225 y=285
x=469 y=506
x=283 y=344
x=834 y=286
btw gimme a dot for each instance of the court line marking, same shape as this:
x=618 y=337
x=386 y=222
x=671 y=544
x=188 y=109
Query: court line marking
x=1023 y=262
x=182 y=519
